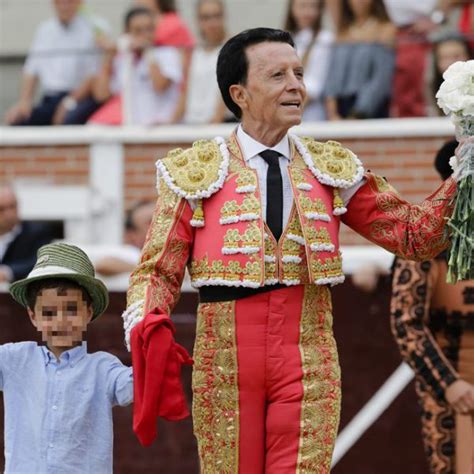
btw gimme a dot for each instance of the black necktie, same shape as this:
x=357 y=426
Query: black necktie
x=274 y=192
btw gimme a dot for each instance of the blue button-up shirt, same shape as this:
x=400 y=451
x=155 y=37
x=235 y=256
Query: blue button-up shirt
x=58 y=414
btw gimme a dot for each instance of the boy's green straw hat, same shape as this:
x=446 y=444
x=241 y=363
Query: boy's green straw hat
x=64 y=261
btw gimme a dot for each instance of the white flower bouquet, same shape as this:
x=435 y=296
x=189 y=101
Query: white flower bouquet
x=456 y=98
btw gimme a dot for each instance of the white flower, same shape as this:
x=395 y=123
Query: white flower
x=456 y=94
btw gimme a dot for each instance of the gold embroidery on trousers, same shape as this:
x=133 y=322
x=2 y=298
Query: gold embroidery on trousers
x=215 y=389
x=320 y=406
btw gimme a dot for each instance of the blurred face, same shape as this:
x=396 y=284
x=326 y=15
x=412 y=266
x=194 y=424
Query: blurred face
x=305 y=12
x=61 y=317
x=66 y=10
x=274 y=94
x=141 y=222
x=8 y=210
x=360 y=8
x=448 y=53
x=211 y=22
x=141 y=30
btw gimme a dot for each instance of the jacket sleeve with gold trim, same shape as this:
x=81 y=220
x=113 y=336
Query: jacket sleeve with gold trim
x=415 y=232
x=183 y=176
x=155 y=284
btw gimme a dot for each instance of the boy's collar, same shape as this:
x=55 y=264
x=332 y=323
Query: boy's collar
x=71 y=356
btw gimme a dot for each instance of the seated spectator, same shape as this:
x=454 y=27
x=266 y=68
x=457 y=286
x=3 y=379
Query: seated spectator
x=313 y=45
x=447 y=50
x=146 y=78
x=415 y=22
x=359 y=81
x=136 y=226
x=62 y=60
x=19 y=241
x=171 y=29
x=201 y=100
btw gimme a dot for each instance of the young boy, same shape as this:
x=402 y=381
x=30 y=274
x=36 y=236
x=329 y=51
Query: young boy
x=58 y=398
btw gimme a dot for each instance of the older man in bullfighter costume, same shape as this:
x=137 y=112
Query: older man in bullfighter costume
x=256 y=218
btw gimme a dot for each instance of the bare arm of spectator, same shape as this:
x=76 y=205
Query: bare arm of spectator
x=109 y=266
x=219 y=112
x=22 y=109
x=158 y=77
x=331 y=109
x=334 y=8
x=101 y=89
x=181 y=105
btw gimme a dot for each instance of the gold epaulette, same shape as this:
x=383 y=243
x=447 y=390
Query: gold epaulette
x=330 y=162
x=197 y=172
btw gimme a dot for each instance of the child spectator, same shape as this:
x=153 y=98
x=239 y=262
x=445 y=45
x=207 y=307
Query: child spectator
x=201 y=100
x=313 y=45
x=58 y=398
x=447 y=50
x=147 y=78
x=62 y=61
x=359 y=81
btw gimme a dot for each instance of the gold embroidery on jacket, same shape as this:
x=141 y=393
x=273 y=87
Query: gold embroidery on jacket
x=215 y=388
x=232 y=212
x=320 y=406
x=195 y=169
x=326 y=268
x=160 y=288
x=332 y=159
x=250 y=241
x=313 y=208
x=204 y=272
x=319 y=239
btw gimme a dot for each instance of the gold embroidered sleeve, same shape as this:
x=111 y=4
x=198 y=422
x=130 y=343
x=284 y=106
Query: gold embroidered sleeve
x=414 y=232
x=156 y=282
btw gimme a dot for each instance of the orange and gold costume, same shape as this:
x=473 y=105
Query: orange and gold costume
x=433 y=324
x=266 y=381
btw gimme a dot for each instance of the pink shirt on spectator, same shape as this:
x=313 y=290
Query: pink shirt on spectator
x=171 y=30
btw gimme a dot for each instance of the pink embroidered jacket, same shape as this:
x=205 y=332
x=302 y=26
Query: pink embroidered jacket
x=209 y=217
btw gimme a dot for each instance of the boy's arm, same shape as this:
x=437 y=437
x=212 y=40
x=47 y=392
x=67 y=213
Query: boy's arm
x=4 y=354
x=414 y=232
x=120 y=383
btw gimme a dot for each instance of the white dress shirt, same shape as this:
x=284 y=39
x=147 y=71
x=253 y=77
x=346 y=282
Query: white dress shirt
x=250 y=150
x=63 y=56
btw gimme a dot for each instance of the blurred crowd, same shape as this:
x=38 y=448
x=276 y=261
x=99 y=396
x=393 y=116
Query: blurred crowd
x=362 y=59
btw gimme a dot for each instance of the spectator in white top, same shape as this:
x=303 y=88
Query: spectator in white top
x=201 y=100
x=314 y=46
x=146 y=78
x=62 y=60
